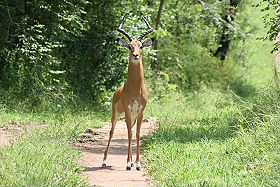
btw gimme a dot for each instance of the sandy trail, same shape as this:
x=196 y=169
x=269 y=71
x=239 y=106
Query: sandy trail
x=116 y=174
x=4 y=137
x=9 y=134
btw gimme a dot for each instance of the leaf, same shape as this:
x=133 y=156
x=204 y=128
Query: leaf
x=57 y=71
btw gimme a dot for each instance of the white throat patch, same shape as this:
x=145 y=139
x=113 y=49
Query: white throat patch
x=134 y=61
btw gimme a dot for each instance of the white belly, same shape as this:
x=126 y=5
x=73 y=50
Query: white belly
x=134 y=110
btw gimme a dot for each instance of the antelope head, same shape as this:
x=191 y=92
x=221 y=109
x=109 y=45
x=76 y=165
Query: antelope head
x=135 y=46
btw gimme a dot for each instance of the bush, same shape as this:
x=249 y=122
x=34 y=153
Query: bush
x=54 y=51
x=191 y=67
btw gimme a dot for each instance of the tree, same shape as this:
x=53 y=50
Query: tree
x=158 y=21
x=225 y=40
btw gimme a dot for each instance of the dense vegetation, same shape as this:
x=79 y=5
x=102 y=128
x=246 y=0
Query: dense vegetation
x=64 y=51
x=60 y=62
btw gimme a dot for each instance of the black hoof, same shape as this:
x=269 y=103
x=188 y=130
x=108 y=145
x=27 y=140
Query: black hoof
x=138 y=168
x=132 y=164
x=128 y=168
x=104 y=165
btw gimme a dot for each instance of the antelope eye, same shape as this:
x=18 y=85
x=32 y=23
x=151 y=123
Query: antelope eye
x=130 y=47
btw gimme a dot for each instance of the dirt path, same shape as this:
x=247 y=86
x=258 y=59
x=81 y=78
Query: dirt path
x=10 y=133
x=4 y=137
x=116 y=175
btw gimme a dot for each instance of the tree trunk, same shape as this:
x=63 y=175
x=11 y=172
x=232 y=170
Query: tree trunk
x=225 y=39
x=27 y=8
x=158 y=21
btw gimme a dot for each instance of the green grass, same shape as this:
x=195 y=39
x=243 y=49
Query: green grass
x=212 y=141
x=44 y=155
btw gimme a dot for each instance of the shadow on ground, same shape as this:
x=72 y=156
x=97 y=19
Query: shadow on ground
x=208 y=128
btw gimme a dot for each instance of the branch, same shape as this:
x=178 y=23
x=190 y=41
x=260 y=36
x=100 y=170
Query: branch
x=203 y=4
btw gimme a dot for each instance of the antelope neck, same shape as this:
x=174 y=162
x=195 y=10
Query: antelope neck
x=136 y=71
x=135 y=77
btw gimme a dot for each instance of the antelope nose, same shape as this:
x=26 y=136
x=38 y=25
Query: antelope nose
x=135 y=55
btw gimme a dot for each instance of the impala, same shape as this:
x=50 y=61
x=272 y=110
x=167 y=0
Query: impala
x=132 y=98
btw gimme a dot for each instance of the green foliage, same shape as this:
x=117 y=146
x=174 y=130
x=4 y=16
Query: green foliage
x=271 y=19
x=51 y=51
x=187 y=43
x=34 y=31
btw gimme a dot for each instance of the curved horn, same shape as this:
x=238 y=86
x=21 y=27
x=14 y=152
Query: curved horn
x=123 y=31
x=148 y=31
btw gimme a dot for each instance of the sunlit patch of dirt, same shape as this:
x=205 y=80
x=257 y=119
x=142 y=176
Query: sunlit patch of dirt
x=92 y=143
x=10 y=133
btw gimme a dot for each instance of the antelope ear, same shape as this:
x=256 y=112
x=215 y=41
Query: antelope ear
x=148 y=43
x=123 y=43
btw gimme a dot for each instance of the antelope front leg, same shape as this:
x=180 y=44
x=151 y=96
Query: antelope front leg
x=139 y=123
x=114 y=121
x=129 y=134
